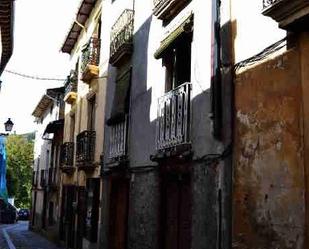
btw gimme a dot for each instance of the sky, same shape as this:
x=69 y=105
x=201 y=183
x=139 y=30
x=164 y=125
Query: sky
x=39 y=31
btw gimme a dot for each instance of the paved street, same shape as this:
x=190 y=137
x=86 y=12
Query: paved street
x=17 y=236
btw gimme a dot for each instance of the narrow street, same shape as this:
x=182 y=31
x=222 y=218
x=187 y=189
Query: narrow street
x=17 y=236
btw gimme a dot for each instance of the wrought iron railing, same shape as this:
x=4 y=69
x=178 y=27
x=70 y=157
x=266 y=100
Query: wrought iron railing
x=43 y=178
x=71 y=83
x=122 y=31
x=67 y=154
x=173 y=123
x=91 y=53
x=85 y=147
x=118 y=140
x=267 y=3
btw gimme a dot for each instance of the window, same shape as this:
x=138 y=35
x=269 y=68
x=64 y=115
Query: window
x=122 y=96
x=91 y=113
x=51 y=214
x=72 y=127
x=177 y=62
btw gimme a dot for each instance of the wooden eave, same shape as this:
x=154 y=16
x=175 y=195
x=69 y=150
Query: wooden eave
x=82 y=16
x=42 y=106
x=46 y=100
x=6 y=24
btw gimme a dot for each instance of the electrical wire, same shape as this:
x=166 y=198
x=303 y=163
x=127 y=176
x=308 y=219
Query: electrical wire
x=43 y=78
x=262 y=55
x=33 y=77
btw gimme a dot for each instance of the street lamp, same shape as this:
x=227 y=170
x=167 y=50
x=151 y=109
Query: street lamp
x=8 y=125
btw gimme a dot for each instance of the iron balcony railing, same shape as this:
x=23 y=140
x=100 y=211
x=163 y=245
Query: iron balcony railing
x=118 y=140
x=91 y=53
x=67 y=154
x=268 y=3
x=122 y=31
x=173 y=123
x=71 y=83
x=85 y=147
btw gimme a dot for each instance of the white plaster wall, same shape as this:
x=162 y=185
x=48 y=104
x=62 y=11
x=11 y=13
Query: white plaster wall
x=41 y=145
x=254 y=31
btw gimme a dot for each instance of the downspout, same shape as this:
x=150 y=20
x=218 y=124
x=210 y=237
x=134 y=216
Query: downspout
x=223 y=110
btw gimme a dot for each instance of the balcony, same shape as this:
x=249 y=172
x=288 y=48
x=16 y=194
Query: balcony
x=291 y=15
x=90 y=60
x=118 y=142
x=67 y=157
x=85 y=149
x=173 y=122
x=70 y=94
x=122 y=38
x=166 y=9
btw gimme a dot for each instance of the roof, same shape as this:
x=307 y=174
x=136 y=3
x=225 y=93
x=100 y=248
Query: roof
x=46 y=100
x=42 y=106
x=6 y=24
x=54 y=126
x=81 y=18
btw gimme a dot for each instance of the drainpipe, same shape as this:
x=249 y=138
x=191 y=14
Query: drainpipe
x=224 y=110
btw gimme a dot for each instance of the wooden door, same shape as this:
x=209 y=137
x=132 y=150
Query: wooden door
x=81 y=216
x=119 y=197
x=62 y=211
x=69 y=216
x=176 y=211
x=92 y=209
x=44 y=209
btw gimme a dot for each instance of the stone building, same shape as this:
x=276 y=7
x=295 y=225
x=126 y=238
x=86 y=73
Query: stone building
x=83 y=130
x=270 y=187
x=49 y=114
x=185 y=125
x=164 y=181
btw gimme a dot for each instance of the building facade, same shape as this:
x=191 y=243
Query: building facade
x=49 y=114
x=270 y=192
x=163 y=178
x=185 y=126
x=83 y=130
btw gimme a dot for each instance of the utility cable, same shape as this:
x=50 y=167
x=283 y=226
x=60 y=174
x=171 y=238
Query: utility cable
x=43 y=78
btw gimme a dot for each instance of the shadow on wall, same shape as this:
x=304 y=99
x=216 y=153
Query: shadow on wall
x=141 y=99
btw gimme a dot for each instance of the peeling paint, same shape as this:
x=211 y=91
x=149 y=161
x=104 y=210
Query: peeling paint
x=268 y=164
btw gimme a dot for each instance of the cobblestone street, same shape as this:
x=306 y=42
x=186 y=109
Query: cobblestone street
x=17 y=236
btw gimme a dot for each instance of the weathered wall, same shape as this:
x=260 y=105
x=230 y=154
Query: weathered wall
x=268 y=156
